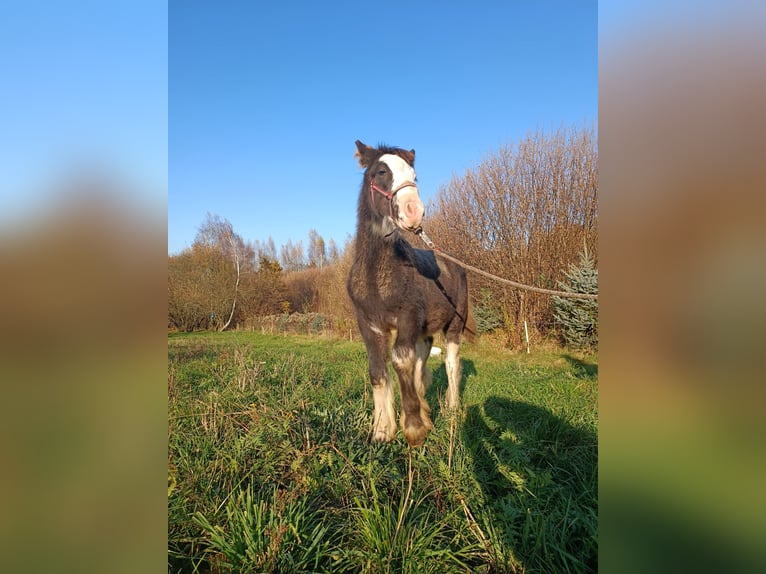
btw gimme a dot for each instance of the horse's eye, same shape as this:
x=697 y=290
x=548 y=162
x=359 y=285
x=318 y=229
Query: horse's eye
x=381 y=172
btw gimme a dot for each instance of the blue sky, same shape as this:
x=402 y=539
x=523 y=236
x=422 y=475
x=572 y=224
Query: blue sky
x=266 y=100
x=84 y=86
x=249 y=110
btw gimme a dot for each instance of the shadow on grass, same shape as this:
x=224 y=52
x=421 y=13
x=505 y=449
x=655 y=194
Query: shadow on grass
x=438 y=388
x=582 y=369
x=538 y=476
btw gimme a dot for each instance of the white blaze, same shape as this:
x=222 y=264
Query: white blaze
x=409 y=206
x=401 y=170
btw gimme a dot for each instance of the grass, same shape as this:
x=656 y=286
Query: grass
x=270 y=468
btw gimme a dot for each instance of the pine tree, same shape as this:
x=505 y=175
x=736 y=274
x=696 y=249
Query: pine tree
x=487 y=312
x=578 y=318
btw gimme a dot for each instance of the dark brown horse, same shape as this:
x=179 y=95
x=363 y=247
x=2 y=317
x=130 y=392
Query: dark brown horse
x=396 y=287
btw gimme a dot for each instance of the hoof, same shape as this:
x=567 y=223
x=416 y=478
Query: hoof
x=382 y=436
x=416 y=436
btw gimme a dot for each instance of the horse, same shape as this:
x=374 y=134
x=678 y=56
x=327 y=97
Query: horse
x=396 y=287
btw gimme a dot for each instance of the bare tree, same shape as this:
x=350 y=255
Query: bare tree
x=265 y=290
x=218 y=233
x=291 y=255
x=269 y=249
x=333 y=254
x=317 y=251
x=196 y=277
x=523 y=213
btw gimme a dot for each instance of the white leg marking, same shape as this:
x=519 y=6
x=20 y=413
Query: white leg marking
x=375 y=330
x=421 y=370
x=384 y=421
x=402 y=357
x=452 y=365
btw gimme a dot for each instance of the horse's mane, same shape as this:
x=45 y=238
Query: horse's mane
x=405 y=154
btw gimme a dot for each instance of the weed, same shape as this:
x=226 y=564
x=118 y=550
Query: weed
x=271 y=470
x=273 y=533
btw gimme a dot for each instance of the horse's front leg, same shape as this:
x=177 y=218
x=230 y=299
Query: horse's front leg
x=408 y=359
x=384 y=417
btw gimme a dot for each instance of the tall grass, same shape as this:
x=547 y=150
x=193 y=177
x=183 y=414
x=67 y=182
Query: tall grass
x=268 y=533
x=270 y=467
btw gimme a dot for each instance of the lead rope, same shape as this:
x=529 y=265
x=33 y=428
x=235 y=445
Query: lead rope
x=427 y=240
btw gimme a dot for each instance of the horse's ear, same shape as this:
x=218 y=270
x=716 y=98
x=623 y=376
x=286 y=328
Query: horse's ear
x=364 y=154
x=409 y=157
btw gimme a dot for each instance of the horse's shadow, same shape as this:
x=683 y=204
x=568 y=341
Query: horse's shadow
x=582 y=369
x=523 y=454
x=436 y=392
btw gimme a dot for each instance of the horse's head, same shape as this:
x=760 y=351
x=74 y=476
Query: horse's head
x=391 y=182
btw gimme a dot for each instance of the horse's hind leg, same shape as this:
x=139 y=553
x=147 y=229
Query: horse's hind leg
x=454 y=372
x=423 y=375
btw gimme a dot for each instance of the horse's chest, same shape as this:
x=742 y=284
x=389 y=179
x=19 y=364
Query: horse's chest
x=377 y=287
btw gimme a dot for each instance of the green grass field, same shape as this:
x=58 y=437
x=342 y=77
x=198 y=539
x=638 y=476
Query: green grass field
x=270 y=468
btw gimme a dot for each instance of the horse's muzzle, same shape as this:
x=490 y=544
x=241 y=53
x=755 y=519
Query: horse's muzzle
x=409 y=208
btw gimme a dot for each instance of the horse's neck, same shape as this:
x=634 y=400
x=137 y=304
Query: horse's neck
x=374 y=250
x=377 y=239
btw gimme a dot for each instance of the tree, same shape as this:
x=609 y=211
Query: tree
x=291 y=255
x=333 y=254
x=578 y=318
x=265 y=249
x=266 y=289
x=487 y=312
x=523 y=214
x=205 y=281
x=317 y=251
x=196 y=277
x=218 y=233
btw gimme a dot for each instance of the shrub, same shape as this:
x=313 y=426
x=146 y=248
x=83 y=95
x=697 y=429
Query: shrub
x=578 y=318
x=487 y=312
x=318 y=323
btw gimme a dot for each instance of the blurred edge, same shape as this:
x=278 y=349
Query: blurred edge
x=683 y=276
x=83 y=247
x=83 y=361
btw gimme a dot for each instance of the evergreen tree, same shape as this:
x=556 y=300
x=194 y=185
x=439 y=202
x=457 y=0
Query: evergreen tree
x=578 y=318
x=487 y=312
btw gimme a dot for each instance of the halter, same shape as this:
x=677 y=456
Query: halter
x=389 y=195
